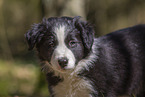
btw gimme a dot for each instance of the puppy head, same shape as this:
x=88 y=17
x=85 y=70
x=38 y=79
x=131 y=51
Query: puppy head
x=62 y=42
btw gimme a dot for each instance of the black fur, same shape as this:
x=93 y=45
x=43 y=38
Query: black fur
x=120 y=65
x=87 y=34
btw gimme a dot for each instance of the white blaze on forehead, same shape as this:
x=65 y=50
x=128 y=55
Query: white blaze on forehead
x=62 y=50
x=60 y=32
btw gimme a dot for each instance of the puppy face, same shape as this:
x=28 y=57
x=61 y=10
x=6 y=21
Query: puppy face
x=62 y=42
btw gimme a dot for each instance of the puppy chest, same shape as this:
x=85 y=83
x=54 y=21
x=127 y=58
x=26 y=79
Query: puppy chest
x=73 y=87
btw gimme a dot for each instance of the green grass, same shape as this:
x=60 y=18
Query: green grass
x=18 y=78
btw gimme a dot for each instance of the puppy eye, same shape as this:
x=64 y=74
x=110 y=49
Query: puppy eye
x=51 y=44
x=72 y=44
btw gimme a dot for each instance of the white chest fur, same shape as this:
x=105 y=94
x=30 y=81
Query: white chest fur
x=73 y=86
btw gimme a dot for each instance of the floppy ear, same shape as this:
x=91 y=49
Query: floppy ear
x=34 y=35
x=87 y=33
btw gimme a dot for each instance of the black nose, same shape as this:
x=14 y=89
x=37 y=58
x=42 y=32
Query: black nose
x=63 y=62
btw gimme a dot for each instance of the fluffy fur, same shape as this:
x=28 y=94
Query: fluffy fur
x=79 y=65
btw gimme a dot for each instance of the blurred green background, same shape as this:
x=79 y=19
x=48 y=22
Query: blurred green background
x=20 y=73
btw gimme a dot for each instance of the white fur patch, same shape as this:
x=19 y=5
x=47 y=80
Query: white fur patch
x=73 y=86
x=61 y=50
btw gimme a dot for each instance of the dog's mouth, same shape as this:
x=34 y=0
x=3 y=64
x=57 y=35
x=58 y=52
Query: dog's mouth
x=57 y=68
x=60 y=68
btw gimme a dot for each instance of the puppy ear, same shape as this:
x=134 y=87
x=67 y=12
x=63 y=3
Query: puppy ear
x=34 y=35
x=87 y=33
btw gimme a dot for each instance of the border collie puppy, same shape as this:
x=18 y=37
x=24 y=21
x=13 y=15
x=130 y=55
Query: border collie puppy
x=79 y=65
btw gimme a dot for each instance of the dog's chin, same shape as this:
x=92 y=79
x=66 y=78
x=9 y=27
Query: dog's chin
x=65 y=69
x=62 y=70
